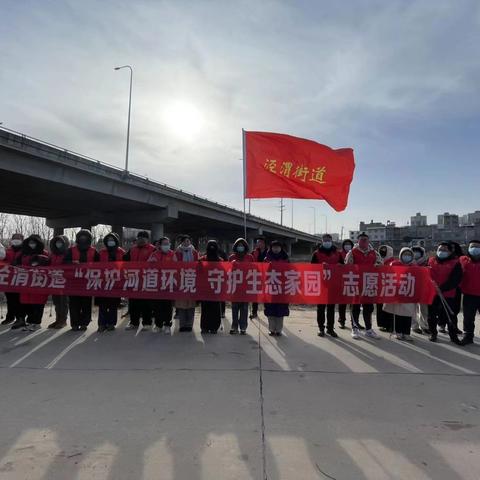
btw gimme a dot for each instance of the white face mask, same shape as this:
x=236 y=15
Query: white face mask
x=111 y=243
x=407 y=258
x=347 y=247
x=165 y=248
x=59 y=245
x=240 y=249
x=32 y=245
x=16 y=242
x=327 y=245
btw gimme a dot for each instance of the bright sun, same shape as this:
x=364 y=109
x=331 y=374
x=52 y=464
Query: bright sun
x=183 y=119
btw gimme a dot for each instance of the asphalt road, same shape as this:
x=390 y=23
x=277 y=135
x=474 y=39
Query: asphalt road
x=138 y=405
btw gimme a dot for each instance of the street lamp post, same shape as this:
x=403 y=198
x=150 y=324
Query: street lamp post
x=129 y=110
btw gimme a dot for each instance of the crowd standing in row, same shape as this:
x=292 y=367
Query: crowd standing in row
x=455 y=275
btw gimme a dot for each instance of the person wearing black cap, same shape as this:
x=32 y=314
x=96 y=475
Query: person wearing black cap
x=140 y=307
x=108 y=306
x=81 y=307
x=446 y=273
x=211 y=311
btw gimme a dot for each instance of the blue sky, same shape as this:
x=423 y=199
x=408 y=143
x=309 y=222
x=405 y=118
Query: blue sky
x=396 y=80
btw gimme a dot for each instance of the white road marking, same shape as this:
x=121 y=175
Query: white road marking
x=29 y=337
x=38 y=347
x=76 y=342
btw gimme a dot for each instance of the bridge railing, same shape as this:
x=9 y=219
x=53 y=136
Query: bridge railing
x=63 y=152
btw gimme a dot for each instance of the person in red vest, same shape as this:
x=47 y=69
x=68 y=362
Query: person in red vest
x=140 y=307
x=446 y=273
x=185 y=308
x=240 y=309
x=259 y=255
x=80 y=308
x=347 y=245
x=32 y=304
x=14 y=311
x=108 y=306
x=385 y=319
x=162 y=308
x=59 y=246
x=363 y=254
x=470 y=287
x=326 y=254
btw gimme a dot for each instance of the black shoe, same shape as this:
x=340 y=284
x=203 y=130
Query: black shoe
x=182 y=329
x=82 y=328
x=454 y=339
x=243 y=332
x=57 y=325
x=101 y=328
x=110 y=328
x=341 y=324
x=458 y=331
x=7 y=321
x=466 y=340
x=332 y=333
x=433 y=337
x=279 y=334
x=272 y=334
x=418 y=330
x=426 y=331
x=361 y=327
x=321 y=333
x=213 y=331
x=18 y=324
x=233 y=331
x=75 y=328
x=442 y=330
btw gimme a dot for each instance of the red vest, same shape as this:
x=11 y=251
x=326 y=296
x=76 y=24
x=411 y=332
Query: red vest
x=119 y=253
x=57 y=259
x=360 y=258
x=159 y=256
x=440 y=271
x=390 y=262
x=141 y=254
x=332 y=259
x=76 y=254
x=11 y=255
x=248 y=257
x=32 y=298
x=471 y=276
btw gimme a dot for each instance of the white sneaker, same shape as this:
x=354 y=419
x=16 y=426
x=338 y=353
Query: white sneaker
x=372 y=334
x=355 y=333
x=167 y=330
x=156 y=329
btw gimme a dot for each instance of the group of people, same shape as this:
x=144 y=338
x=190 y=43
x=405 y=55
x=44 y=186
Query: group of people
x=455 y=275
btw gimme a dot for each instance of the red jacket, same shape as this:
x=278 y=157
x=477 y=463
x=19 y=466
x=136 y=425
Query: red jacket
x=76 y=254
x=332 y=258
x=32 y=298
x=471 y=276
x=141 y=254
x=392 y=261
x=56 y=259
x=440 y=272
x=159 y=256
x=234 y=257
x=11 y=255
x=104 y=256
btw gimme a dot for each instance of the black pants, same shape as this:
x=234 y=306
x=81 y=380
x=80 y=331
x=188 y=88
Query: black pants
x=33 y=312
x=438 y=316
x=367 y=315
x=14 y=307
x=471 y=306
x=254 y=309
x=80 y=311
x=384 y=319
x=402 y=324
x=107 y=315
x=162 y=312
x=140 y=308
x=342 y=313
x=330 y=316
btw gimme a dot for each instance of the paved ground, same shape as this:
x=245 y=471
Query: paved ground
x=124 y=406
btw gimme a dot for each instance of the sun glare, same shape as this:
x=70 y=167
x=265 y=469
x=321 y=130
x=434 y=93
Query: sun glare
x=183 y=119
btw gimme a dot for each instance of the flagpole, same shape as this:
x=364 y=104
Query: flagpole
x=244 y=185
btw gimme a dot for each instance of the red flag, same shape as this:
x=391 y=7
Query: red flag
x=282 y=166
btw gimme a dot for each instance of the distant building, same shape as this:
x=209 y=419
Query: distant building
x=418 y=220
x=470 y=218
x=448 y=221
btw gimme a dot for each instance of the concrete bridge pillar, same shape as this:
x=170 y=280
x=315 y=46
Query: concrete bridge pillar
x=156 y=231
